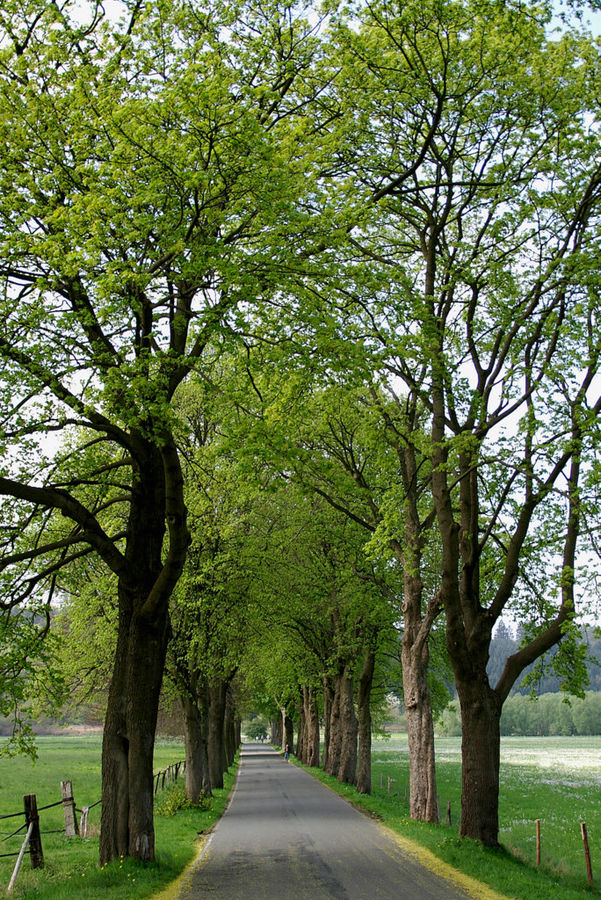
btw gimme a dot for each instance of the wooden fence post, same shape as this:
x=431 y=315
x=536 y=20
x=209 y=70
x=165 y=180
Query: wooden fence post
x=71 y=829
x=538 y=842
x=448 y=812
x=35 y=842
x=587 y=853
x=84 y=821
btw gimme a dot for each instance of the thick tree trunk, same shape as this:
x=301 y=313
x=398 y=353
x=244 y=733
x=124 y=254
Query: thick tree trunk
x=423 y=800
x=312 y=718
x=146 y=581
x=347 y=770
x=289 y=732
x=335 y=742
x=114 y=831
x=301 y=739
x=196 y=714
x=276 y=732
x=480 y=750
x=128 y=742
x=217 y=761
x=229 y=727
x=282 y=728
x=328 y=697
x=364 y=715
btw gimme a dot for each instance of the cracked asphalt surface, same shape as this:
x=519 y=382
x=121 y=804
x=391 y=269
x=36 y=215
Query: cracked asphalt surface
x=286 y=835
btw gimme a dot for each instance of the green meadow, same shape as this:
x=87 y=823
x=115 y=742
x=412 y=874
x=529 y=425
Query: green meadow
x=71 y=866
x=556 y=780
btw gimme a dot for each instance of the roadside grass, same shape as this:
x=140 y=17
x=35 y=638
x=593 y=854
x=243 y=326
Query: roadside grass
x=552 y=779
x=71 y=866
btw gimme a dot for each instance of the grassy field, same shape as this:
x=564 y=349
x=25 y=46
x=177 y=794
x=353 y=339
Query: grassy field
x=71 y=866
x=556 y=780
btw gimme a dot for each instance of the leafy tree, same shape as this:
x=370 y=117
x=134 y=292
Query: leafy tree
x=480 y=172
x=211 y=617
x=148 y=170
x=28 y=670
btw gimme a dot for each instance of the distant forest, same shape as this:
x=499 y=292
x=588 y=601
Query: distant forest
x=504 y=643
x=552 y=712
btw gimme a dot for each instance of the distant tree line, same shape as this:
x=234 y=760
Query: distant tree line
x=547 y=715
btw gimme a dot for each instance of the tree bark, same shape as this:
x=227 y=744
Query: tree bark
x=145 y=583
x=423 y=803
x=229 y=727
x=312 y=719
x=347 y=769
x=276 y=732
x=128 y=743
x=289 y=732
x=335 y=742
x=301 y=738
x=328 y=697
x=196 y=715
x=423 y=800
x=480 y=749
x=364 y=715
x=217 y=761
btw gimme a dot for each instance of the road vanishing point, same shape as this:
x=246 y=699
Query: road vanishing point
x=286 y=835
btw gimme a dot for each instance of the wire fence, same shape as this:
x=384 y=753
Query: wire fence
x=31 y=824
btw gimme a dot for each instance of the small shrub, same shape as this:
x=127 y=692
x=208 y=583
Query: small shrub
x=174 y=799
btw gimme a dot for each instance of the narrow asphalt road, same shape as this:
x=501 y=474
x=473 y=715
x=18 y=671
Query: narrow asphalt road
x=285 y=835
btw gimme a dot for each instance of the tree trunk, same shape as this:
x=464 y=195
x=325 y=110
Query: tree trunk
x=335 y=742
x=276 y=732
x=313 y=728
x=423 y=800
x=364 y=714
x=128 y=742
x=301 y=736
x=145 y=583
x=289 y=732
x=196 y=712
x=347 y=770
x=217 y=761
x=328 y=697
x=229 y=727
x=480 y=750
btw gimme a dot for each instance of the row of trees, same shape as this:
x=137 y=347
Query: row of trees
x=374 y=236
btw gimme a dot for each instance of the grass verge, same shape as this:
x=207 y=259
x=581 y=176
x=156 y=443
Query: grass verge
x=498 y=870
x=71 y=866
